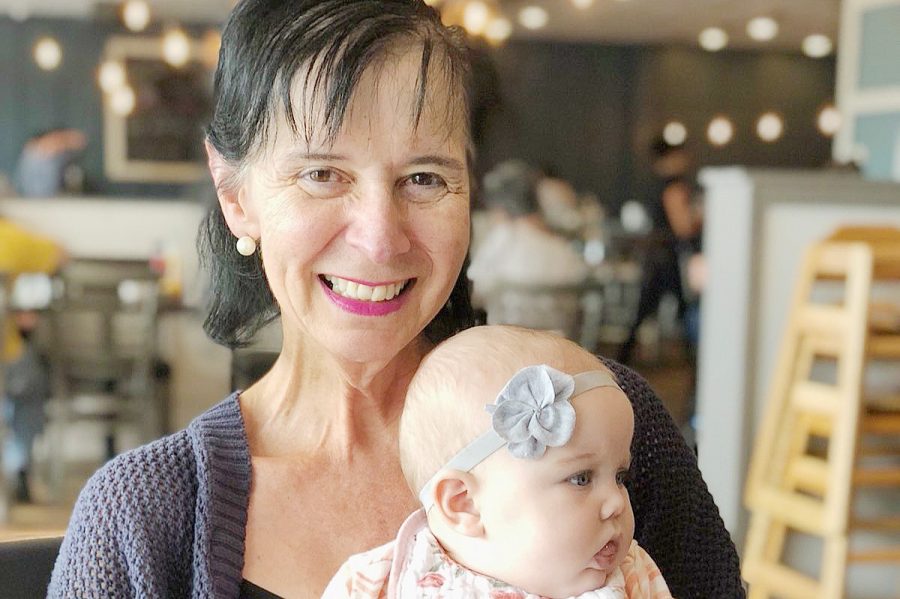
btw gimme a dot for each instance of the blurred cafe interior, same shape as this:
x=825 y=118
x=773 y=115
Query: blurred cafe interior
x=713 y=192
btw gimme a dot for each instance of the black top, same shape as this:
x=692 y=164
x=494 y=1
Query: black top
x=251 y=591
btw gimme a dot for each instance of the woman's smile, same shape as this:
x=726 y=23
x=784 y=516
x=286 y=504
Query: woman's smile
x=366 y=298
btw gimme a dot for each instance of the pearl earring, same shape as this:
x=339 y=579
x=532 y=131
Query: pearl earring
x=246 y=246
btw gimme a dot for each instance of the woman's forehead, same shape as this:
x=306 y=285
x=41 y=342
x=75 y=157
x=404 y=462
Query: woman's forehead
x=388 y=95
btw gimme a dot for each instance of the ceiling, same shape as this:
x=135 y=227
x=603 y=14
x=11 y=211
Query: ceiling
x=609 y=21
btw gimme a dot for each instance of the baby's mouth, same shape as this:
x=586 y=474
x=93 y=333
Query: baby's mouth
x=366 y=293
x=606 y=557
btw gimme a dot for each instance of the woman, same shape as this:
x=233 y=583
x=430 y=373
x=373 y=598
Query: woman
x=339 y=149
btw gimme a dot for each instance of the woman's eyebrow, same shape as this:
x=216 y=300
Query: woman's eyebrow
x=302 y=155
x=444 y=161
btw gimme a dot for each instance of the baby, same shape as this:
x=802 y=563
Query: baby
x=517 y=443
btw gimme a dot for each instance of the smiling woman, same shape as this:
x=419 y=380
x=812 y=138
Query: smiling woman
x=340 y=150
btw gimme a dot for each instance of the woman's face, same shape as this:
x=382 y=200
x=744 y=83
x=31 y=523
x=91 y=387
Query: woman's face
x=362 y=238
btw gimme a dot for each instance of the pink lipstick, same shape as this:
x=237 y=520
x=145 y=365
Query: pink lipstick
x=365 y=308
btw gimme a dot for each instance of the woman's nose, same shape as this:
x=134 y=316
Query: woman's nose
x=378 y=227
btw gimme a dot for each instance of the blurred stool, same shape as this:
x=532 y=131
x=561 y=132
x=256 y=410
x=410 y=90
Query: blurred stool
x=103 y=355
x=547 y=307
x=822 y=440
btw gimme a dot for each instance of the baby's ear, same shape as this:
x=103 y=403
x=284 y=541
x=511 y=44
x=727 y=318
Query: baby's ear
x=453 y=498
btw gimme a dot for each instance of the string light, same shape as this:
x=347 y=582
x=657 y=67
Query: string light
x=713 y=39
x=47 y=53
x=475 y=17
x=176 y=48
x=136 y=15
x=498 y=30
x=533 y=17
x=720 y=131
x=762 y=29
x=122 y=101
x=769 y=127
x=675 y=133
x=829 y=120
x=817 y=45
x=111 y=76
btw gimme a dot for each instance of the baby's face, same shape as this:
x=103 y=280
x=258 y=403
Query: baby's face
x=559 y=525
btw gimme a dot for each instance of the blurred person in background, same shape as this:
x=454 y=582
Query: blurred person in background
x=26 y=380
x=48 y=165
x=559 y=203
x=675 y=236
x=519 y=247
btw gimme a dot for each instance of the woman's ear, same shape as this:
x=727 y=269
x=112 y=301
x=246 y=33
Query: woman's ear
x=231 y=199
x=454 y=499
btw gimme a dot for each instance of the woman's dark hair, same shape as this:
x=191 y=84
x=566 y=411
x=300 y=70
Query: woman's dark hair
x=325 y=46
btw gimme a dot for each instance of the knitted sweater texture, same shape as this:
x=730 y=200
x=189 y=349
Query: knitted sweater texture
x=168 y=519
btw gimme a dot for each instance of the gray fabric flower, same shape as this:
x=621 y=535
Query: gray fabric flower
x=533 y=411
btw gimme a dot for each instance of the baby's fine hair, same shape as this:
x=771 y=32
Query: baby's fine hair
x=444 y=408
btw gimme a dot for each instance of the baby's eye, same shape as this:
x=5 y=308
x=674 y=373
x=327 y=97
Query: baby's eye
x=582 y=479
x=623 y=476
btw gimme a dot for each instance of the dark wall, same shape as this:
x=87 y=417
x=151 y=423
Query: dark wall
x=32 y=100
x=591 y=111
x=587 y=111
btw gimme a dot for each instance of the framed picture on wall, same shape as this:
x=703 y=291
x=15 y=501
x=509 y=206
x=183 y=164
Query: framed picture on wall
x=153 y=129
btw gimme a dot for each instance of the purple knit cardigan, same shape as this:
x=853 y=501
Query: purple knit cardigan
x=168 y=519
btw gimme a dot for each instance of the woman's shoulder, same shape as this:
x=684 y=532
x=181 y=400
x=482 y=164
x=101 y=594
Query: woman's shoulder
x=163 y=473
x=157 y=474
x=643 y=398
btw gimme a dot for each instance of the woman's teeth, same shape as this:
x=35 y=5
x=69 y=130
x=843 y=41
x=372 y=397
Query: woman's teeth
x=358 y=291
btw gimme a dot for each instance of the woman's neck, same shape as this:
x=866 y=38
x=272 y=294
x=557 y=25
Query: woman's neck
x=311 y=401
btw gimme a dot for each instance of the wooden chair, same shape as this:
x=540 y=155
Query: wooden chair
x=822 y=439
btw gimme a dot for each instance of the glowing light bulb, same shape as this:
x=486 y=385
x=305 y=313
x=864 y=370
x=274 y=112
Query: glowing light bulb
x=136 y=15
x=762 y=29
x=769 y=127
x=498 y=30
x=675 y=133
x=720 y=131
x=533 y=17
x=713 y=39
x=111 y=76
x=582 y=4
x=817 y=45
x=123 y=101
x=475 y=17
x=47 y=53
x=176 y=48
x=829 y=120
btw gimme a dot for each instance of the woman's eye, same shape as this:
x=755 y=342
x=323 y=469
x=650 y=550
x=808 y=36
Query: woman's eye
x=623 y=476
x=423 y=188
x=582 y=479
x=426 y=179
x=321 y=175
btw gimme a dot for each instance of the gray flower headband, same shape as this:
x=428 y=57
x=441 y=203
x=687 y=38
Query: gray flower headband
x=532 y=412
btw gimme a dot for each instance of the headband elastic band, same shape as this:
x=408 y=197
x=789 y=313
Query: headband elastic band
x=485 y=445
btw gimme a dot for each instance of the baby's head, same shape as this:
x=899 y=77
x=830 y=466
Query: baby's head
x=555 y=523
